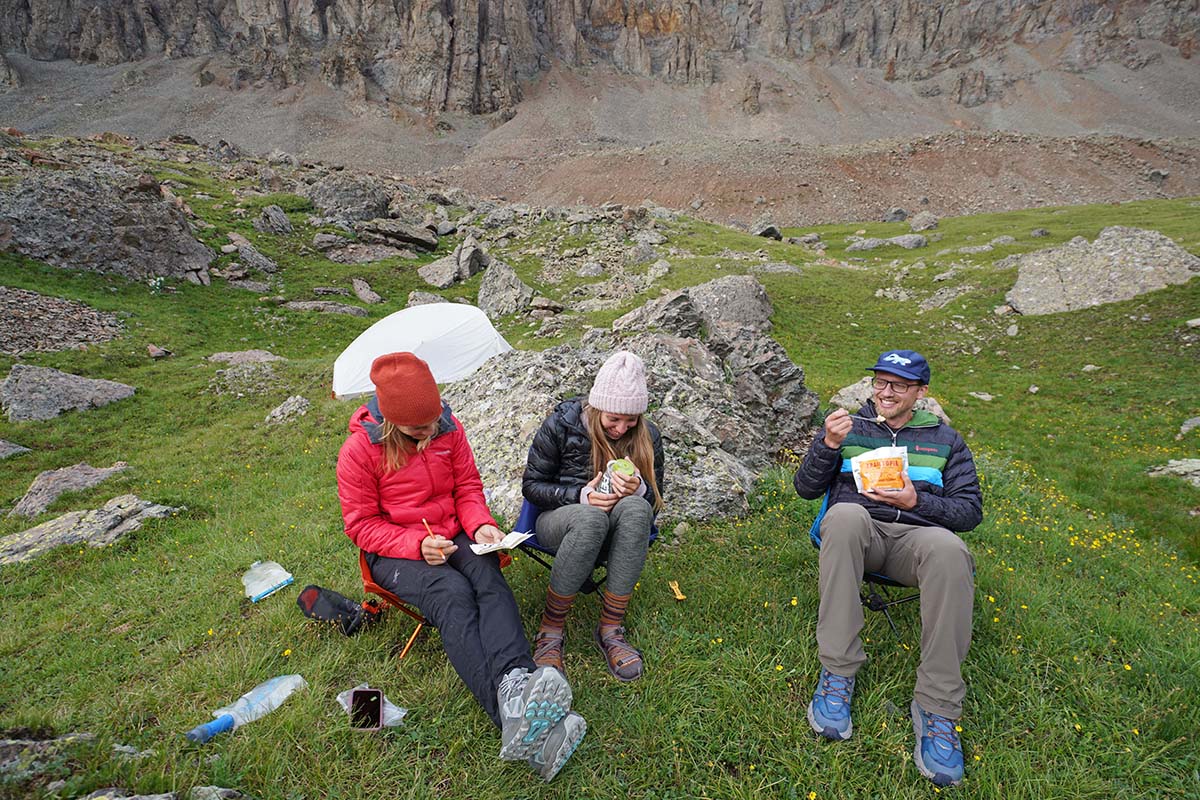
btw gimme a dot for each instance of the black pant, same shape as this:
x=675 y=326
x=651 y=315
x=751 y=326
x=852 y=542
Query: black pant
x=469 y=602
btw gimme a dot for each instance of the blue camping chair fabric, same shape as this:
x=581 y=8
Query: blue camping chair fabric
x=877 y=591
x=527 y=523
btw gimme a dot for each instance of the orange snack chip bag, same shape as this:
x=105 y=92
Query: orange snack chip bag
x=880 y=469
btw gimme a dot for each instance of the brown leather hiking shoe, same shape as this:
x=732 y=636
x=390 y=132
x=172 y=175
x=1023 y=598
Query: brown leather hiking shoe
x=623 y=660
x=548 y=650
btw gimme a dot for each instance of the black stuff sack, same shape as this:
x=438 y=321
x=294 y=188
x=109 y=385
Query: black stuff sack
x=326 y=605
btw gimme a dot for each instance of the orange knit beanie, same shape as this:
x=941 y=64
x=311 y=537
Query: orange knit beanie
x=405 y=389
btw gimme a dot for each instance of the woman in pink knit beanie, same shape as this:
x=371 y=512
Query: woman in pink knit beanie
x=587 y=515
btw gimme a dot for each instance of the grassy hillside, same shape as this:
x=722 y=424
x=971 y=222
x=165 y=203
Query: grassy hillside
x=1082 y=677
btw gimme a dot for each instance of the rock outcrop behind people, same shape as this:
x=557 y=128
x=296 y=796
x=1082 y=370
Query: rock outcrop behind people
x=726 y=405
x=473 y=57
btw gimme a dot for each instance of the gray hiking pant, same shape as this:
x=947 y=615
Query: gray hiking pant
x=583 y=535
x=933 y=559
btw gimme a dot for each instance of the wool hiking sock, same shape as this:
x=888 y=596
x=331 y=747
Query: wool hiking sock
x=612 y=614
x=554 y=615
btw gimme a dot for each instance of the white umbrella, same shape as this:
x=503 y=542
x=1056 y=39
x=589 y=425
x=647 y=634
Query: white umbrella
x=453 y=338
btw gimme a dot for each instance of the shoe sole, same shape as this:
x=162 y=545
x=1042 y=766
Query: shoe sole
x=600 y=646
x=939 y=778
x=547 y=701
x=565 y=751
x=829 y=733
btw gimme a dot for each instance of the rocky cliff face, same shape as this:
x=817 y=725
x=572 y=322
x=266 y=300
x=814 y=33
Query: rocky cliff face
x=471 y=55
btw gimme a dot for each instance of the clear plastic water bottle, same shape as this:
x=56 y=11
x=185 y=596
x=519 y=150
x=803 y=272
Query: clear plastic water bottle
x=258 y=702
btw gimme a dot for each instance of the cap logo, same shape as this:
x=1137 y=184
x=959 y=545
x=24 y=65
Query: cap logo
x=896 y=358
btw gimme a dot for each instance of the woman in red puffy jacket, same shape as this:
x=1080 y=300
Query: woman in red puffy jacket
x=412 y=499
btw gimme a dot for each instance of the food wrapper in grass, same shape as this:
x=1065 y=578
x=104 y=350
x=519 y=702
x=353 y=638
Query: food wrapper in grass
x=880 y=469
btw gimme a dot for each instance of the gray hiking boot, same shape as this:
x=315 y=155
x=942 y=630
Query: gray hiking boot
x=558 y=746
x=531 y=704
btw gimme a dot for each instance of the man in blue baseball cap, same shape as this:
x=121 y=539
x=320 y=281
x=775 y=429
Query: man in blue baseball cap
x=910 y=535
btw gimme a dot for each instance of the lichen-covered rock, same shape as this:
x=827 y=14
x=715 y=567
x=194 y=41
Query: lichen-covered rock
x=39 y=393
x=923 y=221
x=468 y=259
x=726 y=407
x=49 y=485
x=363 y=291
x=394 y=233
x=502 y=292
x=23 y=759
x=10 y=449
x=1186 y=468
x=720 y=429
x=244 y=379
x=326 y=307
x=1121 y=263
x=245 y=357
x=294 y=407
x=350 y=197
x=273 y=220
x=102 y=220
x=97 y=528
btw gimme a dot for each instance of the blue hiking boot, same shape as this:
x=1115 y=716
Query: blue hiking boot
x=829 y=711
x=938 y=752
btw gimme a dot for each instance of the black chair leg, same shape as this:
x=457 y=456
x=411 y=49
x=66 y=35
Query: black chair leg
x=877 y=598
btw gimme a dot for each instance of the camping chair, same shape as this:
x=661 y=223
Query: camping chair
x=877 y=590
x=527 y=523
x=391 y=599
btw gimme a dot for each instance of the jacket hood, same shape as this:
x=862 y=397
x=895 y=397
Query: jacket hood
x=369 y=419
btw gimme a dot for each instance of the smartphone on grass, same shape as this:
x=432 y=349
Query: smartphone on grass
x=366 y=710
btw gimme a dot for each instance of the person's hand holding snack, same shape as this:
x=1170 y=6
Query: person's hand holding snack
x=837 y=428
x=599 y=499
x=624 y=485
x=904 y=499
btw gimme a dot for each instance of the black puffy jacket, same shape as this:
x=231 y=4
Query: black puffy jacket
x=560 y=458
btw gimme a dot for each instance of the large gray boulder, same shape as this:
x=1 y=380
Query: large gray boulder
x=97 y=528
x=101 y=220
x=502 y=292
x=350 y=197
x=726 y=406
x=1121 y=263
x=39 y=393
x=723 y=420
x=469 y=258
x=719 y=306
x=273 y=220
x=397 y=234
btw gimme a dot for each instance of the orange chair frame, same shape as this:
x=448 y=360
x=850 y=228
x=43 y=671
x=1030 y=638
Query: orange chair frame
x=391 y=599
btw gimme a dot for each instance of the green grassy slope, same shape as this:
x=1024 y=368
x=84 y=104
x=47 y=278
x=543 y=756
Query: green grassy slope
x=1082 y=677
